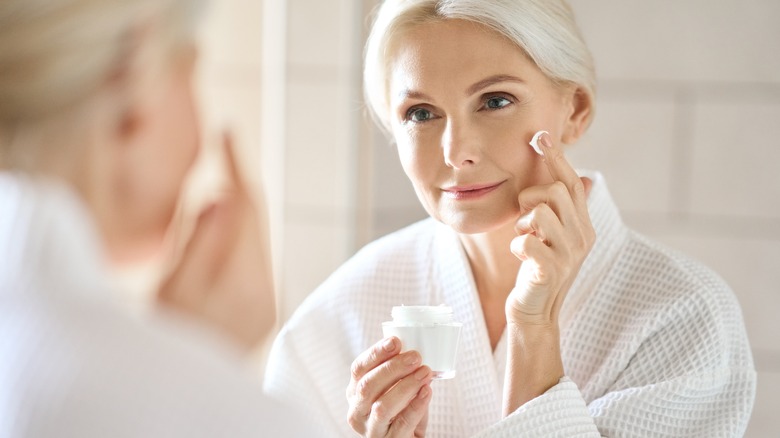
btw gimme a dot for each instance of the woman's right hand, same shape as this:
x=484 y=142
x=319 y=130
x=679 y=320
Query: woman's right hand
x=389 y=392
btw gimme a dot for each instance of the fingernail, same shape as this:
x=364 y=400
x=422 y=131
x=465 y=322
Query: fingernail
x=412 y=359
x=389 y=345
x=546 y=140
x=535 y=141
x=422 y=373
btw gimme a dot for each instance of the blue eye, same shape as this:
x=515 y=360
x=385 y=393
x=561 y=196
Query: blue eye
x=497 y=102
x=419 y=115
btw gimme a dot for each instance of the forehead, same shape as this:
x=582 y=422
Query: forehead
x=453 y=53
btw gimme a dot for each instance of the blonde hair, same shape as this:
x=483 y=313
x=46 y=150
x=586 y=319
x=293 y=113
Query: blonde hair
x=56 y=54
x=544 y=29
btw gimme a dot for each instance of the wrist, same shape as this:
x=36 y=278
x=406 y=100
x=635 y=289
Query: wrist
x=534 y=363
x=526 y=332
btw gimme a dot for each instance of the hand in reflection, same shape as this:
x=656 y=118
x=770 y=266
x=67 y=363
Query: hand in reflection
x=223 y=278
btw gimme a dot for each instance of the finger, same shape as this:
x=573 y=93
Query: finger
x=543 y=223
x=414 y=417
x=422 y=425
x=556 y=196
x=385 y=410
x=234 y=173
x=202 y=257
x=561 y=170
x=380 y=380
x=529 y=247
x=373 y=357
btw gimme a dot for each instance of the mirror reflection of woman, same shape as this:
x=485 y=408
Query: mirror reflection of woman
x=98 y=128
x=574 y=325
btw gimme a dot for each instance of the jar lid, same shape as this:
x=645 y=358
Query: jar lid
x=422 y=314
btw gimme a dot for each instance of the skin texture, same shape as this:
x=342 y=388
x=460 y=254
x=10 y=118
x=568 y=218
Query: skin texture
x=464 y=103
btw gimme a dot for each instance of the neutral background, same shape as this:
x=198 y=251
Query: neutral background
x=686 y=132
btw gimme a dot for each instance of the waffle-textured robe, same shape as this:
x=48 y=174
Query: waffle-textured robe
x=653 y=343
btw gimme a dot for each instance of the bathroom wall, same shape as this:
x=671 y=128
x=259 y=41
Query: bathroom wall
x=686 y=132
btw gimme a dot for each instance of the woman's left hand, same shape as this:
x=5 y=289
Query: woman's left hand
x=554 y=237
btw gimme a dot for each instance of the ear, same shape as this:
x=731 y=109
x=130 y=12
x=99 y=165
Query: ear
x=579 y=117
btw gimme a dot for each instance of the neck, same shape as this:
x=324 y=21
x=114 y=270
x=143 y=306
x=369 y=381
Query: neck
x=492 y=263
x=495 y=271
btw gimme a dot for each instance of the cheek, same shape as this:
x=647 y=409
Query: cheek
x=420 y=162
x=412 y=163
x=171 y=146
x=183 y=129
x=508 y=149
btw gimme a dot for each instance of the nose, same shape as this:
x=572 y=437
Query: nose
x=459 y=146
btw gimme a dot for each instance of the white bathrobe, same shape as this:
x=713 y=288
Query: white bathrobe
x=74 y=363
x=653 y=343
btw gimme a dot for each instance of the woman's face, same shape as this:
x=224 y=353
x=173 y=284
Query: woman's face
x=464 y=103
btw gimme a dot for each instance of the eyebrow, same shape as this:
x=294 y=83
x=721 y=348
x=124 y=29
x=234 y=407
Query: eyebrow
x=412 y=94
x=484 y=83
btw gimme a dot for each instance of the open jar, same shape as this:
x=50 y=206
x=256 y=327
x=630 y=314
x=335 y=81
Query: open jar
x=429 y=330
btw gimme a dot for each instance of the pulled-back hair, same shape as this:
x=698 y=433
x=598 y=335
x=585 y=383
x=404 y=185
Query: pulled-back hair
x=55 y=54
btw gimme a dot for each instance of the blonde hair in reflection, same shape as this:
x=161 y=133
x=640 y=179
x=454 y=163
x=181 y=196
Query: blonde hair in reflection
x=544 y=29
x=56 y=55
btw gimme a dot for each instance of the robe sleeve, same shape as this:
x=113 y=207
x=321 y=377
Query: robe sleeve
x=707 y=404
x=691 y=375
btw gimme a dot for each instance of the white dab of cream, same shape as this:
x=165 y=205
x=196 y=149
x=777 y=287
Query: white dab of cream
x=535 y=142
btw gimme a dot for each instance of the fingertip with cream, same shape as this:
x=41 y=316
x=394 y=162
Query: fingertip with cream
x=535 y=142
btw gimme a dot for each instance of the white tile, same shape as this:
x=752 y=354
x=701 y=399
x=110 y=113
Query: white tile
x=312 y=251
x=765 y=421
x=735 y=160
x=323 y=33
x=727 y=40
x=750 y=267
x=631 y=143
x=319 y=148
x=232 y=33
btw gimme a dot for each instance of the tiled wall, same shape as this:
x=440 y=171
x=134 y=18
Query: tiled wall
x=687 y=133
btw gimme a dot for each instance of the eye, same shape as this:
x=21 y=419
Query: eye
x=497 y=102
x=419 y=115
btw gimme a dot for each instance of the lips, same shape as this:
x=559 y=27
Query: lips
x=470 y=192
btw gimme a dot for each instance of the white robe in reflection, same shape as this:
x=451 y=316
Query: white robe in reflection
x=75 y=363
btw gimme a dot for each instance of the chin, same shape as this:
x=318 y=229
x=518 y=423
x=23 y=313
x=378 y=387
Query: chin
x=477 y=222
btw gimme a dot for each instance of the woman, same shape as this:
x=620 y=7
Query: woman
x=573 y=325
x=97 y=132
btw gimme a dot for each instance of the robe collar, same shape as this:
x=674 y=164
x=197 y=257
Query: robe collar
x=480 y=369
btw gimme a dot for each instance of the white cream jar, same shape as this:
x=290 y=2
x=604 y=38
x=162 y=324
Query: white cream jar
x=429 y=330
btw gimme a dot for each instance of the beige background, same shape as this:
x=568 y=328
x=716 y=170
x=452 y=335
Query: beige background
x=686 y=132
